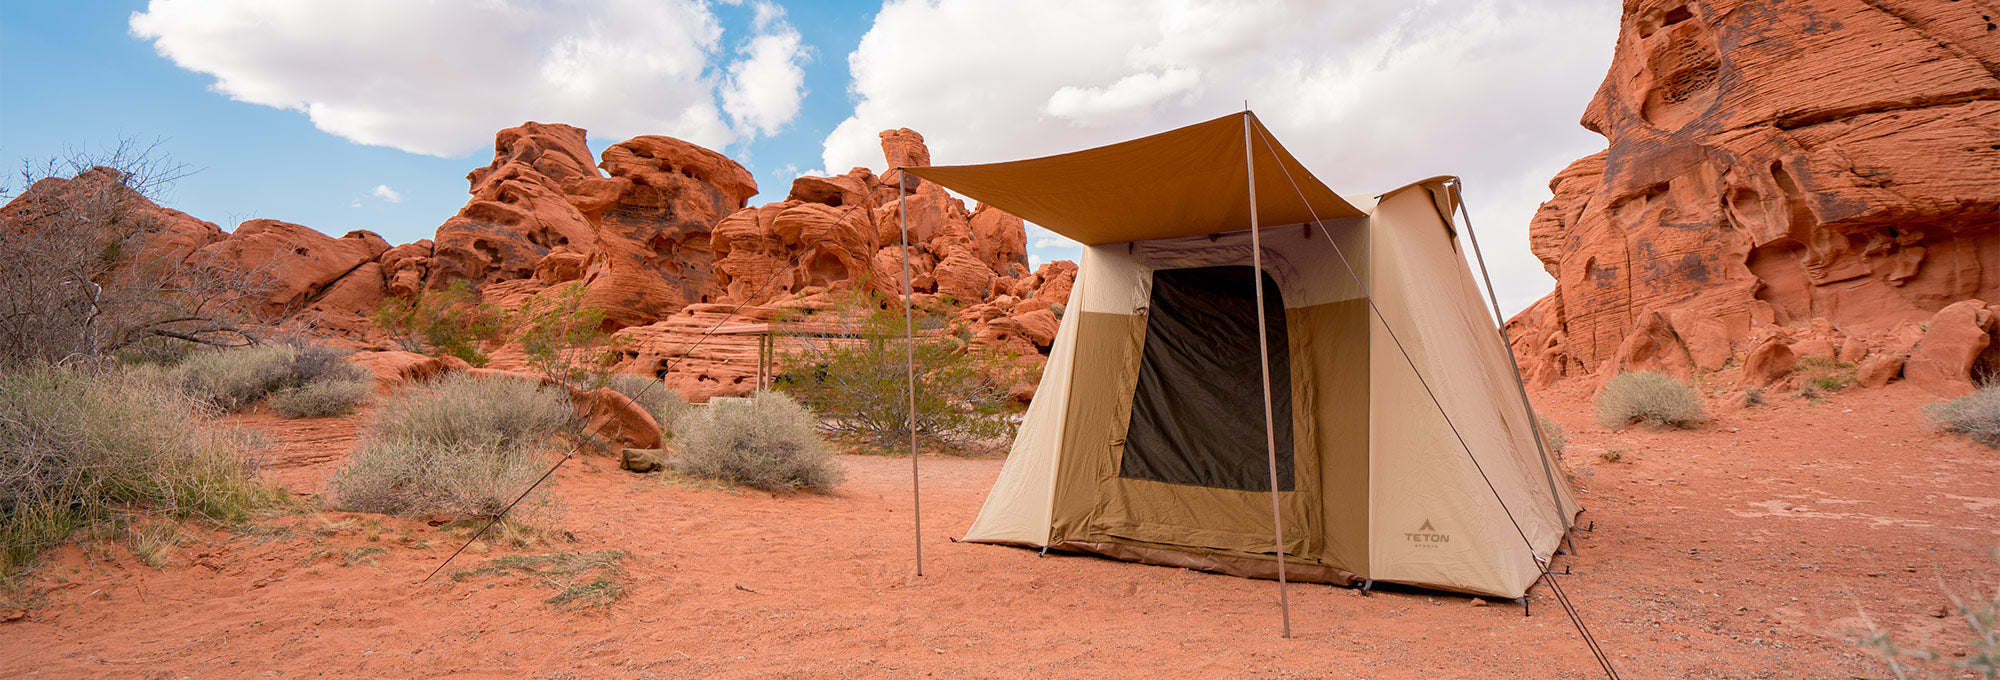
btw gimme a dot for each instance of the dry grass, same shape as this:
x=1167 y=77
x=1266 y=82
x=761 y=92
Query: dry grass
x=1650 y=398
x=1553 y=435
x=236 y=378
x=581 y=580
x=463 y=445
x=80 y=447
x=767 y=442
x=1976 y=416
x=321 y=398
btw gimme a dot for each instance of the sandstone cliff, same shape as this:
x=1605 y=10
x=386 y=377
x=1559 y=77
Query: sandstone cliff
x=1821 y=175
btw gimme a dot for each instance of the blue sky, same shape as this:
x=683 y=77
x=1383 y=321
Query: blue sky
x=298 y=110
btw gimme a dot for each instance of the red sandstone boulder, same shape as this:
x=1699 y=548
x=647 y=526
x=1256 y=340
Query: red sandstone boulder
x=395 y=368
x=1878 y=370
x=288 y=265
x=518 y=210
x=1942 y=361
x=616 y=420
x=1769 y=362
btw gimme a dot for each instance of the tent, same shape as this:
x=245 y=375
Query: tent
x=1352 y=400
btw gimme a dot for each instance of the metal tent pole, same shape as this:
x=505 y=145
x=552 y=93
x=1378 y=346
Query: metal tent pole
x=1264 y=360
x=910 y=360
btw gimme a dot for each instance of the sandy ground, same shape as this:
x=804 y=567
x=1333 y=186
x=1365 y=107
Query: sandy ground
x=1748 y=548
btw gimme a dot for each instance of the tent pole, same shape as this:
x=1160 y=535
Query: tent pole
x=910 y=361
x=1534 y=419
x=1264 y=360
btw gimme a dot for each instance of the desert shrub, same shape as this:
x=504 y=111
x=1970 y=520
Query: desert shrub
x=1976 y=416
x=321 y=398
x=451 y=321
x=78 y=446
x=1821 y=375
x=1553 y=435
x=767 y=441
x=565 y=339
x=854 y=372
x=1647 y=397
x=666 y=404
x=235 y=378
x=460 y=445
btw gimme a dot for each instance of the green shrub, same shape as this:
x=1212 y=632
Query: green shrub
x=1976 y=416
x=856 y=374
x=565 y=339
x=321 y=398
x=767 y=441
x=664 y=403
x=78 y=446
x=1821 y=375
x=1553 y=435
x=462 y=444
x=451 y=322
x=1650 y=398
x=236 y=378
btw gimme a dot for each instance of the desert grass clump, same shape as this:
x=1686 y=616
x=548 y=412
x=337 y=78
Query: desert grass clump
x=236 y=378
x=1647 y=397
x=463 y=445
x=81 y=447
x=322 y=398
x=1822 y=375
x=1976 y=416
x=1553 y=435
x=767 y=442
x=664 y=403
x=581 y=580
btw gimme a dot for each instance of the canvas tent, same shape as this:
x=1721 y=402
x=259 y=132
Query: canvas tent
x=1404 y=449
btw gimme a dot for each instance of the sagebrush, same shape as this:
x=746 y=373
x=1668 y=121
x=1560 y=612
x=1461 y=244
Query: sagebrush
x=664 y=403
x=322 y=398
x=1553 y=435
x=463 y=444
x=81 y=446
x=1976 y=416
x=237 y=378
x=1650 y=398
x=768 y=441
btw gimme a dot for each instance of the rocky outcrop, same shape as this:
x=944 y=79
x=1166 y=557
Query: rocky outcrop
x=1821 y=168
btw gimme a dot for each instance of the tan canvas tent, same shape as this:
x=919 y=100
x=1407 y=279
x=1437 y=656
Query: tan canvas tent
x=1403 y=448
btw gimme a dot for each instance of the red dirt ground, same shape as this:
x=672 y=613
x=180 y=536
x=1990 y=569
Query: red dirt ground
x=1748 y=548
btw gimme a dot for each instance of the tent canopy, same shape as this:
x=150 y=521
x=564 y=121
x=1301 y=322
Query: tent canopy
x=1185 y=182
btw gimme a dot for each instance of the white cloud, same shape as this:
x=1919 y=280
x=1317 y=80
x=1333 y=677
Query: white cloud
x=1371 y=95
x=765 y=87
x=382 y=191
x=440 y=77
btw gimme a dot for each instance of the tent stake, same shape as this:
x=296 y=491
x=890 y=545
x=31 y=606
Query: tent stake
x=910 y=361
x=1264 y=360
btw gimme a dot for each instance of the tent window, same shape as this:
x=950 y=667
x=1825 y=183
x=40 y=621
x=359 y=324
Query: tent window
x=1198 y=410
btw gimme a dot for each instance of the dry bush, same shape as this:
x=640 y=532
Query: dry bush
x=79 y=446
x=82 y=272
x=1976 y=416
x=322 y=398
x=767 y=442
x=1553 y=435
x=236 y=378
x=665 y=404
x=1647 y=397
x=460 y=445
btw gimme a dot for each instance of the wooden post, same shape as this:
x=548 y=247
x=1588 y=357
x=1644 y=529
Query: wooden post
x=1264 y=360
x=910 y=359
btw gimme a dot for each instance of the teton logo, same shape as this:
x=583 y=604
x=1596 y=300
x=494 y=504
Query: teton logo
x=1426 y=536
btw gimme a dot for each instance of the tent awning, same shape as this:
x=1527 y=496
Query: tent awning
x=1184 y=182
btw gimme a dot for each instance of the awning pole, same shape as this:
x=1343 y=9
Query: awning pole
x=1264 y=360
x=910 y=361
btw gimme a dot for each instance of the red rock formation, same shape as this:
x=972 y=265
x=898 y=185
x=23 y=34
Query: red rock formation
x=1772 y=164
x=518 y=210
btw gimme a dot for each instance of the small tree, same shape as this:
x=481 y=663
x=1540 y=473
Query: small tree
x=451 y=321
x=565 y=339
x=853 y=369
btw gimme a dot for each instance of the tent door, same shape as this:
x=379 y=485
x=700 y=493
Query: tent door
x=1192 y=469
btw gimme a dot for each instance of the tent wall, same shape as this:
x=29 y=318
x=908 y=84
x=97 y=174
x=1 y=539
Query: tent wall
x=1434 y=520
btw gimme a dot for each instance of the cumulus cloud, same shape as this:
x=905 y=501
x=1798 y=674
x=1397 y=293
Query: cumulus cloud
x=440 y=77
x=1371 y=95
x=382 y=191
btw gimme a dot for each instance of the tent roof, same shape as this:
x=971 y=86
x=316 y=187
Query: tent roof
x=1184 y=182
